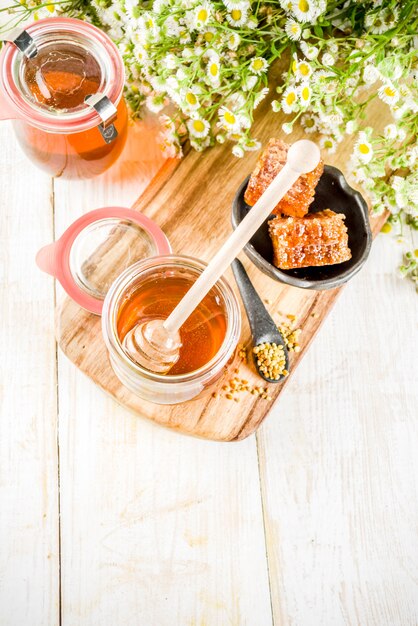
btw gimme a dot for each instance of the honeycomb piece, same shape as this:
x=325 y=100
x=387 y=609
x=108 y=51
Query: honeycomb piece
x=316 y=239
x=297 y=200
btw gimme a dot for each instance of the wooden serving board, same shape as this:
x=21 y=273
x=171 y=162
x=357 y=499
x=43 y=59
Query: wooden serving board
x=191 y=200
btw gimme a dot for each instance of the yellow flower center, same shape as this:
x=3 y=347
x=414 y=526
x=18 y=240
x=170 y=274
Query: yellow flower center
x=50 y=7
x=236 y=14
x=304 y=69
x=202 y=16
x=364 y=148
x=290 y=98
x=386 y=228
x=208 y=36
x=294 y=65
x=199 y=126
x=328 y=143
x=305 y=93
x=303 y=6
x=295 y=29
x=258 y=64
x=229 y=118
x=191 y=98
x=213 y=69
x=389 y=92
x=310 y=123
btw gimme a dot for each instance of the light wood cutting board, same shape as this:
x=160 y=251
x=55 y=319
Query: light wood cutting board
x=191 y=200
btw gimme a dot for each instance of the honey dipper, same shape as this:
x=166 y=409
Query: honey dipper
x=155 y=344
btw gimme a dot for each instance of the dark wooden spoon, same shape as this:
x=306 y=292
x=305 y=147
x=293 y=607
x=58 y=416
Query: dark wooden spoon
x=263 y=327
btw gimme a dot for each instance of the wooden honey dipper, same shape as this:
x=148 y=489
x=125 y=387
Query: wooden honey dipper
x=155 y=344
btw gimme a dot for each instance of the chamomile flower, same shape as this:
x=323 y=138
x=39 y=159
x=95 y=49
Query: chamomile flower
x=303 y=10
x=251 y=145
x=350 y=127
x=388 y=93
x=401 y=134
x=328 y=59
x=258 y=65
x=293 y=29
x=303 y=70
x=260 y=96
x=305 y=94
x=286 y=5
x=202 y=14
x=172 y=26
x=233 y=41
x=200 y=144
x=310 y=52
x=169 y=148
x=236 y=4
x=238 y=151
x=155 y=103
x=238 y=16
x=309 y=123
x=249 y=83
x=370 y=74
x=390 y=131
x=363 y=148
x=209 y=34
x=198 y=127
x=328 y=143
x=213 y=69
x=191 y=100
x=236 y=101
x=289 y=100
x=401 y=188
x=229 y=120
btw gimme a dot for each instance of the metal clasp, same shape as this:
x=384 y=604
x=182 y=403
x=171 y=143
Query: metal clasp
x=107 y=112
x=22 y=40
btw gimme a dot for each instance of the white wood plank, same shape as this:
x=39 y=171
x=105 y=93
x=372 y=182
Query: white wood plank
x=338 y=459
x=157 y=529
x=29 y=555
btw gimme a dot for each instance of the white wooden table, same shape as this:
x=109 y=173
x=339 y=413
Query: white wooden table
x=109 y=520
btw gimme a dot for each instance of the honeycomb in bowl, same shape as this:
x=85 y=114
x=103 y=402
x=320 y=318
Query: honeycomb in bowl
x=297 y=200
x=313 y=240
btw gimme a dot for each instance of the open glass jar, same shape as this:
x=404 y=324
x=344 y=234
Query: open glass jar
x=61 y=82
x=221 y=339
x=110 y=262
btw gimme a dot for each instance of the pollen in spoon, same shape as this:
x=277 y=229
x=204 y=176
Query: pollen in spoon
x=201 y=335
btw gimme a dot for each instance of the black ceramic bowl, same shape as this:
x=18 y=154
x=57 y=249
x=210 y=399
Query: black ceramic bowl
x=332 y=192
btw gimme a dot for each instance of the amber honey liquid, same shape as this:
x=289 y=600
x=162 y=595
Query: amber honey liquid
x=58 y=79
x=201 y=335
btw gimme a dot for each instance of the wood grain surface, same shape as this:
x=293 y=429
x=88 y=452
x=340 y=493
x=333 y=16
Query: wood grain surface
x=191 y=200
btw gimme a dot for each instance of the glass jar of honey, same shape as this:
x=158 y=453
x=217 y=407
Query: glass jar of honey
x=151 y=289
x=117 y=263
x=61 y=83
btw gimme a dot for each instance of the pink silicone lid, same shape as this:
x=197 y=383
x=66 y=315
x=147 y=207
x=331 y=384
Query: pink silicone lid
x=57 y=258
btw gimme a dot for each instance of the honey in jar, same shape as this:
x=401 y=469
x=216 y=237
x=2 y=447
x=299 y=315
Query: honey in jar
x=151 y=289
x=201 y=335
x=53 y=123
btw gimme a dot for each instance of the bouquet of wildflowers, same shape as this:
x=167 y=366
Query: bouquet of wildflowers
x=203 y=67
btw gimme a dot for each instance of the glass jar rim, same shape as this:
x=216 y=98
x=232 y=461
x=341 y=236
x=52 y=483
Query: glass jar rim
x=119 y=287
x=87 y=117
